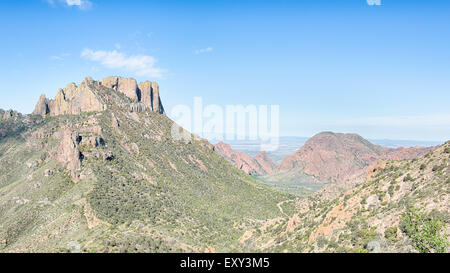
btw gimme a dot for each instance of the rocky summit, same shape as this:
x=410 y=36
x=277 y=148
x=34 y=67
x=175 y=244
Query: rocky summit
x=74 y=100
x=336 y=158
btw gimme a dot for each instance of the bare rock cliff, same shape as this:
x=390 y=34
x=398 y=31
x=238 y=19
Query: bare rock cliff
x=74 y=100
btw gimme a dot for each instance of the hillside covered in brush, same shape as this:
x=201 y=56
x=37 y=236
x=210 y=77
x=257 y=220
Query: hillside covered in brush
x=97 y=169
x=401 y=206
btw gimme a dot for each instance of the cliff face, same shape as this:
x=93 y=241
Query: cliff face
x=74 y=100
x=334 y=157
x=261 y=164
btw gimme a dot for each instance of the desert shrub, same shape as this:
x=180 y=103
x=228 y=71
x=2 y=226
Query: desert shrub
x=424 y=231
x=437 y=168
x=423 y=166
x=408 y=178
x=321 y=241
x=391 y=233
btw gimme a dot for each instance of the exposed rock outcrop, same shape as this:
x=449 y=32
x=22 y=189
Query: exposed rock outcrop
x=88 y=97
x=335 y=157
x=260 y=165
x=150 y=96
x=71 y=100
x=42 y=106
x=8 y=114
x=126 y=86
x=69 y=154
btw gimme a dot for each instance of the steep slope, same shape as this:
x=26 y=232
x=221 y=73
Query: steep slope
x=105 y=174
x=402 y=206
x=335 y=158
x=261 y=164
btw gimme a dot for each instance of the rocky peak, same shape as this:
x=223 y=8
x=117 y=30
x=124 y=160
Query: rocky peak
x=92 y=96
x=261 y=164
x=337 y=157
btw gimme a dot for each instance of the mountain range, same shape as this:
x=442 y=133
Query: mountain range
x=96 y=169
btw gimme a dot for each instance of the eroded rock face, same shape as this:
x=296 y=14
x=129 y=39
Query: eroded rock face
x=42 y=108
x=129 y=88
x=150 y=96
x=111 y=82
x=76 y=101
x=88 y=97
x=260 y=165
x=71 y=100
x=69 y=153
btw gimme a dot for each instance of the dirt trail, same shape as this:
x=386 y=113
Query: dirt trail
x=279 y=205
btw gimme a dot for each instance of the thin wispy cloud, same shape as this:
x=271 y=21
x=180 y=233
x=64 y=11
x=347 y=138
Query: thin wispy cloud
x=140 y=65
x=60 y=57
x=204 y=50
x=81 y=4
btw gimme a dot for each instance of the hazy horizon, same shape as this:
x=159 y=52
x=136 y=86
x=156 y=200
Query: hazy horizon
x=343 y=66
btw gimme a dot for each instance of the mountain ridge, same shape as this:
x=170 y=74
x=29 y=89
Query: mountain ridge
x=336 y=157
x=115 y=180
x=75 y=99
x=260 y=164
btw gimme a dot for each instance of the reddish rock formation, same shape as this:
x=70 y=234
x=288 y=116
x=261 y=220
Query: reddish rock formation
x=74 y=100
x=260 y=165
x=264 y=161
x=334 y=157
x=69 y=153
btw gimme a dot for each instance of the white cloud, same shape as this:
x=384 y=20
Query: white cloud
x=141 y=65
x=56 y=58
x=60 y=57
x=204 y=50
x=81 y=4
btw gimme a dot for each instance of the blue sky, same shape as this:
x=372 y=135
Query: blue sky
x=341 y=65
